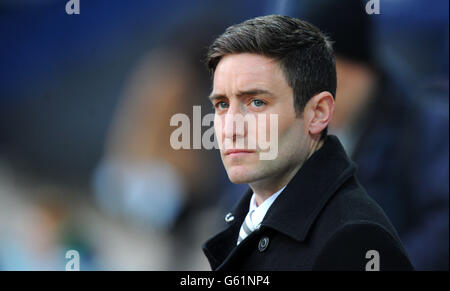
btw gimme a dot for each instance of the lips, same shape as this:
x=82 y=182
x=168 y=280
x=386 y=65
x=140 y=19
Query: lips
x=230 y=152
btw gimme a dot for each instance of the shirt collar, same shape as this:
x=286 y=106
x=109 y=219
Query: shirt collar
x=266 y=203
x=261 y=210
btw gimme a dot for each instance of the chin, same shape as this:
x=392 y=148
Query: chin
x=238 y=175
x=238 y=180
x=241 y=175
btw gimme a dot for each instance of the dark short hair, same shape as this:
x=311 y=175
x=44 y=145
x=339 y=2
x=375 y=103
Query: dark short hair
x=305 y=54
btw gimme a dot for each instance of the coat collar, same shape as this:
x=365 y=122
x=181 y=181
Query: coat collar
x=295 y=210
x=297 y=207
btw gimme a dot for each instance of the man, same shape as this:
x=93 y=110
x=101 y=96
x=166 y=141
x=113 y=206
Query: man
x=305 y=209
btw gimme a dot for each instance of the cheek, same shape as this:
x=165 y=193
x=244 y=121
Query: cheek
x=218 y=128
x=264 y=129
x=291 y=134
x=286 y=125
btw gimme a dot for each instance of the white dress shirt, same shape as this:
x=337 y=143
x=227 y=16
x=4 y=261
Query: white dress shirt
x=259 y=212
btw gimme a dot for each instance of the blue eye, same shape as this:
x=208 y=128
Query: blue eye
x=258 y=103
x=221 y=105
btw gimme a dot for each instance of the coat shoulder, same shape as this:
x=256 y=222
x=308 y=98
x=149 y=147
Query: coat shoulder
x=361 y=246
x=351 y=204
x=353 y=227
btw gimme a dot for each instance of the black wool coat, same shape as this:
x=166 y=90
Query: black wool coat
x=323 y=220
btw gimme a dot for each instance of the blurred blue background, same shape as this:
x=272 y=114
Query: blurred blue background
x=85 y=103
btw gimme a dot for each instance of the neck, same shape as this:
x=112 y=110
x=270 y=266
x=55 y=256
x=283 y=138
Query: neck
x=263 y=189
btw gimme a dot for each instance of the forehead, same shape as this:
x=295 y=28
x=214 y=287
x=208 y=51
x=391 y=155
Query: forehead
x=237 y=71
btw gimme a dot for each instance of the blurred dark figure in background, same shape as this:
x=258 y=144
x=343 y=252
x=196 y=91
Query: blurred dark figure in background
x=399 y=143
x=141 y=176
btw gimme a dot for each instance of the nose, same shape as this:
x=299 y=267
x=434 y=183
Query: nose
x=234 y=123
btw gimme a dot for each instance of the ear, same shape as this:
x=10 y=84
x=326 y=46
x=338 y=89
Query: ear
x=319 y=111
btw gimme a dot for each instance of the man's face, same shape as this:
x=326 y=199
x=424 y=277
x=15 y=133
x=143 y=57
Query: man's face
x=249 y=85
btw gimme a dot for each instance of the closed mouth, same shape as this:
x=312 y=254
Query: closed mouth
x=229 y=152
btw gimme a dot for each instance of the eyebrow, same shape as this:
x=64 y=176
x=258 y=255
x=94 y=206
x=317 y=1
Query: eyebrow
x=213 y=97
